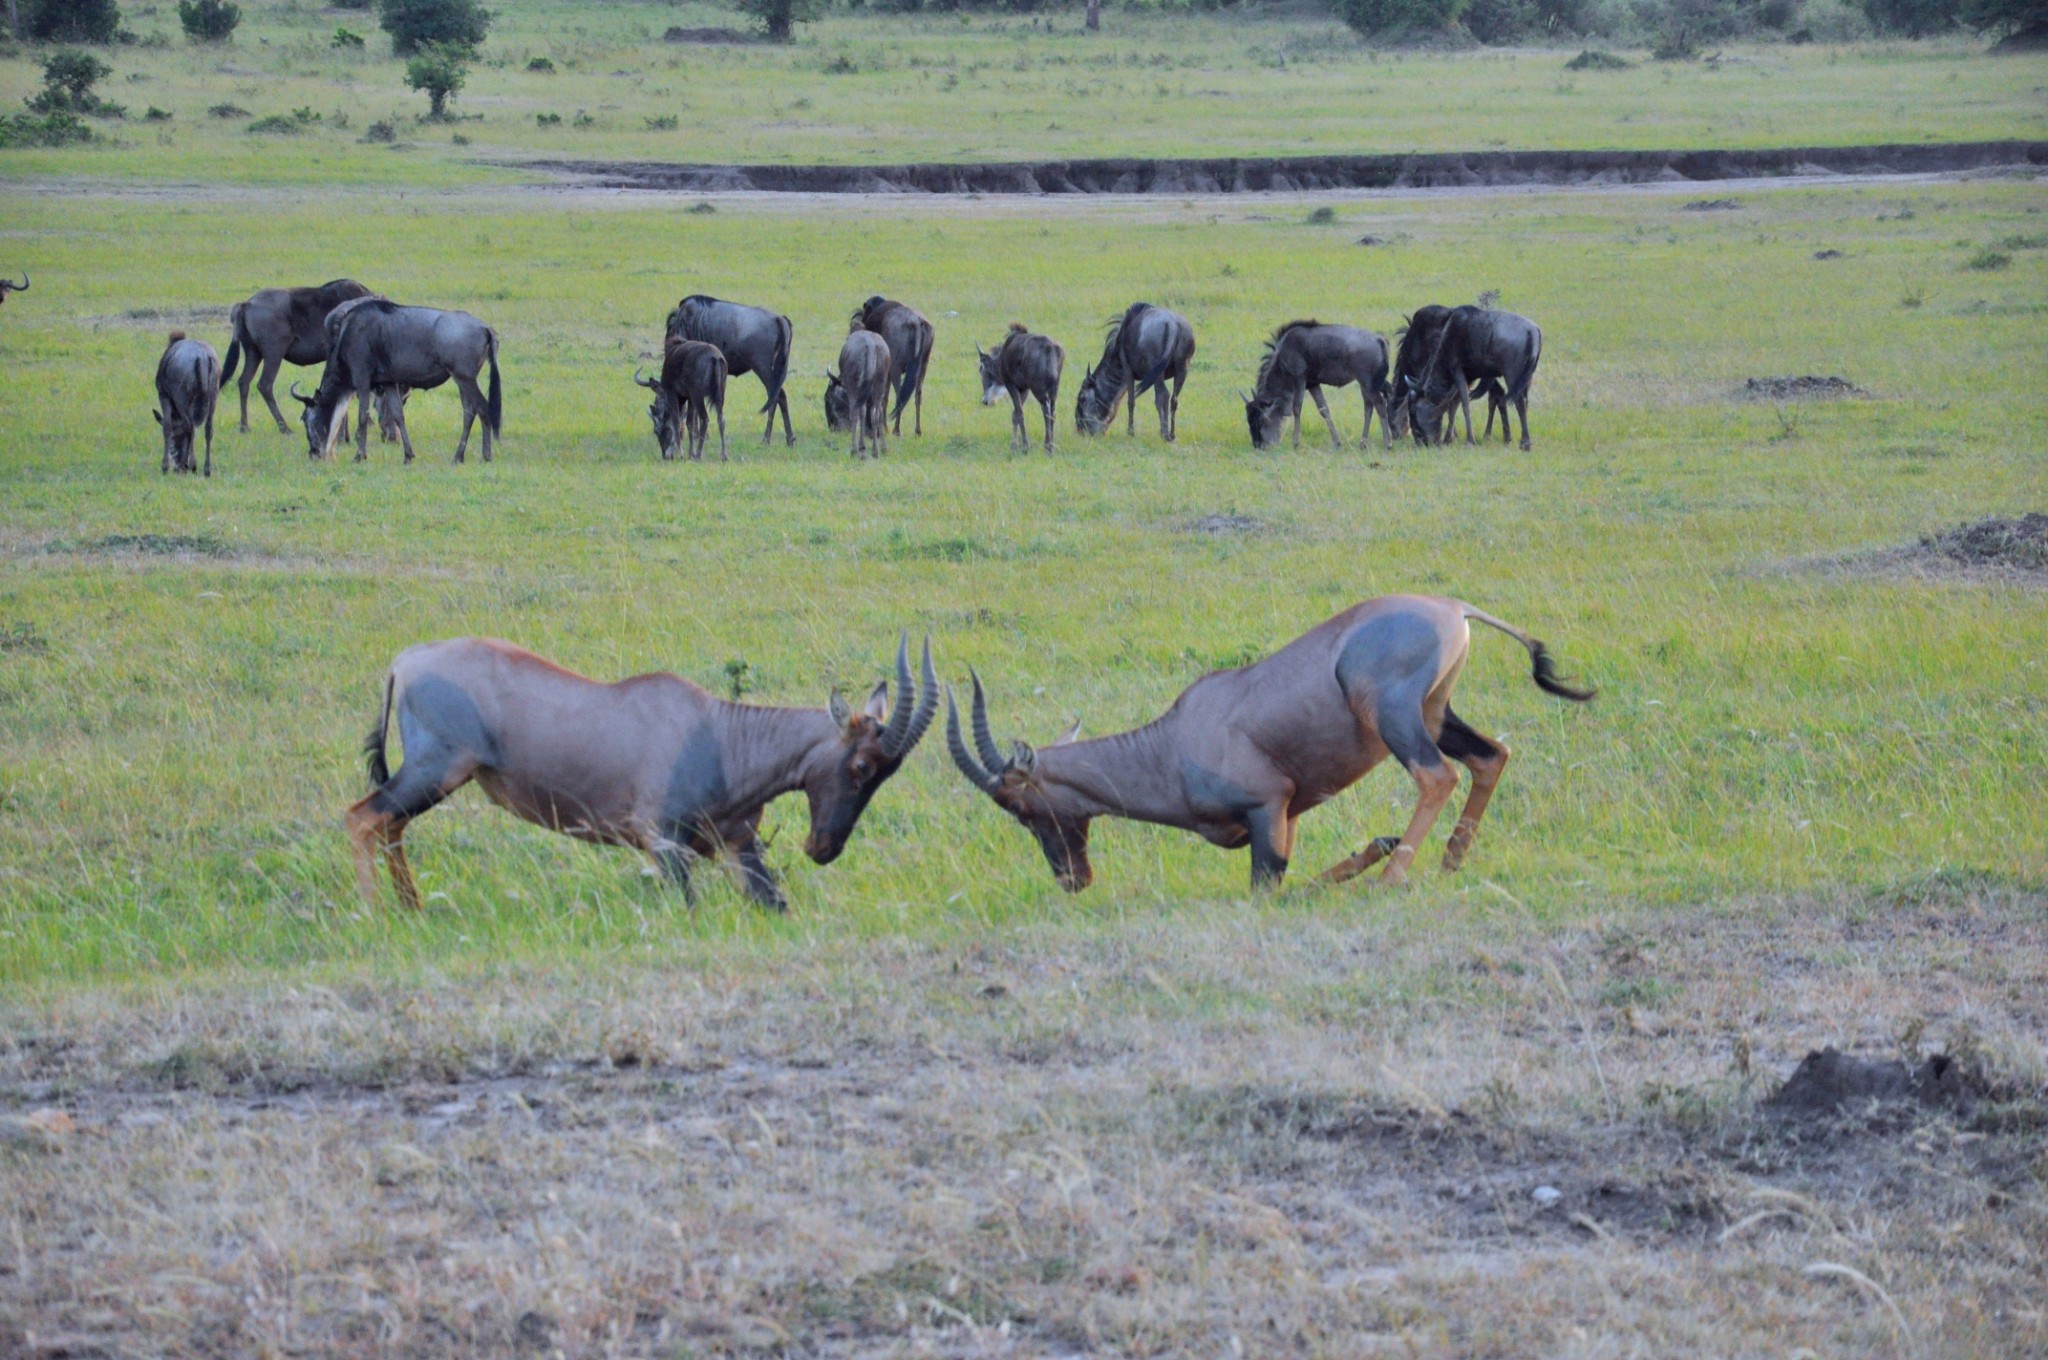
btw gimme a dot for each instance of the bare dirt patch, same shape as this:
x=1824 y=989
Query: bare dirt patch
x=1995 y=550
x=1804 y=387
x=1226 y=524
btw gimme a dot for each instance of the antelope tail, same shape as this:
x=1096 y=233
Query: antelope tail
x=1542 y=666
x=373 y=744
x=494 y=402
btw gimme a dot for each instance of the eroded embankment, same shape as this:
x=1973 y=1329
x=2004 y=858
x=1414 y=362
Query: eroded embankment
x=1237 y=174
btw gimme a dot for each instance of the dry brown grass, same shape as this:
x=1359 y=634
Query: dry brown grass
x=1291 y=1131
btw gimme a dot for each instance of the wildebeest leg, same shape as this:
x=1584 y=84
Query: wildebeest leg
x=1272 y=834
x=1046 y=402
x=1336 y=441
x=721 y=428
x=1162 y=402
x=363 y=423
x=1522 y=408
x=917 y=416
x=248 y=376
x=263 y=385
x=377 y=823
x=1465 y=405
x=675 y=862
x=209 y=441
x=1294 y=409
x=1487 y=759
x=1173 y=406
x=756 y=878
x=1020 y=437
x=472 y=410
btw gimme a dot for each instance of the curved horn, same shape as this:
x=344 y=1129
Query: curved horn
x=899 y=714
x=644 y=382
x=927 y=703
x=962 y=757
x=21 y=287
x=1071 y=735
x=984 y=744
x=294 y=391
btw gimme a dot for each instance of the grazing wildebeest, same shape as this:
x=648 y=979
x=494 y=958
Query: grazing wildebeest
x=752 y=339
x=382 y=344
x=653 y=762
x=10 y=286
x=1147 y=346
x=1306 y=356
x=282 y=326
x=1023 y=363
x=187 y=390
x=1477 y=343
x=693 y=376
x=1243 y=753
x=857 y=396
x=910 y=351
x=390 y=401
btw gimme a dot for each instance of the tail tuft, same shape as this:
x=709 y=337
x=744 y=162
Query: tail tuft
x=1543 y=669
x=373 y=744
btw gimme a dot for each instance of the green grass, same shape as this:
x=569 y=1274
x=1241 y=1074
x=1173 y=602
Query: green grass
x=179 y=719
x=954 y=88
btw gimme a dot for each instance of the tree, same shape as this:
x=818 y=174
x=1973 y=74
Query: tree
x=209 y=20
x=2020 y=24
x=87 y=21
x=437 y=72
x=68 y=78
x=1375 y=18
x=1912 y=18
x=418 y=24
x=780 y=17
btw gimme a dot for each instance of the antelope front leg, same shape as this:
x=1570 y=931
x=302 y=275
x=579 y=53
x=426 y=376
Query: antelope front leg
x=1375 y=850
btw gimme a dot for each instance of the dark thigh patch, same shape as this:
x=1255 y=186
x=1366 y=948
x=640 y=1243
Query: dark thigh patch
x=437 y=713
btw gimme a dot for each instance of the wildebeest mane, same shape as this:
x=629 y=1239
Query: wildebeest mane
x=1273 y=345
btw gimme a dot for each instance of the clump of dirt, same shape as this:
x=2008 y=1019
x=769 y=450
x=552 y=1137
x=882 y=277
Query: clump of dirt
x=1804 y=387
x=710 y=35
x=1827 y=254
x=1371 y=240
x=1227 y=524
x=154 y=545
x=1830 y=1083
x=1712 y=205
x=1994 y=542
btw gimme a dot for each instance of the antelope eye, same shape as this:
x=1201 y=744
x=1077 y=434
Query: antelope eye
x=861 y=768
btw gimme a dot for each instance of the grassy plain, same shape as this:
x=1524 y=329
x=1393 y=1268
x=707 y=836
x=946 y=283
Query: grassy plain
x=954 y=88
x=942 y=1107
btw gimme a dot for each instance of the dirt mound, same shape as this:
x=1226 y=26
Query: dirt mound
x=1227 y=524
x=1827 y=254
x=1994 y=542
x=1804 y=387
x=1831 y=1083
x=1712 y=205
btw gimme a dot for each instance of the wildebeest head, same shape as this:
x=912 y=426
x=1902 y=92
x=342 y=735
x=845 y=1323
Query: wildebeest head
x=838 y=406
x=666 y=414
x=1012 y=782
x=1095 y=405
x=10 y=286
x=318 y=419
x=873 y=744
x=991 y=375
x=1265 y=416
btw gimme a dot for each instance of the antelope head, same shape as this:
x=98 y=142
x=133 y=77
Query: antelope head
x=872 y=744
x=1014 y=782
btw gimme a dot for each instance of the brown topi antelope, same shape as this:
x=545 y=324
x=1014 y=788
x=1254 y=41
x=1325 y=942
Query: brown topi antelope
x=652 y=762
x=1243 y=753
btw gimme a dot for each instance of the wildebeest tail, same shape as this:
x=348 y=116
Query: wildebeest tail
x=373 y=744
x=912 y=375
x=1532 y=350
x=1542 y=666
x=235 y=342
x=494 y=400
x=778 y=367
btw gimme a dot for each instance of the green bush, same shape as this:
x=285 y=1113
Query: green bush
x=1377 y=18
x=437 y=72
x=779 y=18
x=415 y=25
x=49 y=129
x=87 y=21
x=1912 y=18
x=348 y=40
x=209 y=21
x=2018 y=23
x=68 y=78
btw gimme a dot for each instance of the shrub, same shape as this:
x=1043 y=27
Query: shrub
x=414 y=25
x=667 y=122
x=437 y=72
x=228 y=111
x=1591 y=60
x=49 y=129
x=541 y=66
x=87 y=21
x=209 y=20
x=282 y=124
x=380 y=131
x=548 y=119
x=1375 y=18
x=1911 y=18
x=779 y=18
x=2020 y=24
x=350 y=4
x=1988 y=259
x=68 y=78
x=348 y=40
x=156 y=115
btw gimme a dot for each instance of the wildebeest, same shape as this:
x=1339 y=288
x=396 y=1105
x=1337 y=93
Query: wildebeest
x=1243 y=753
x=390 y=401
x=1306 y=356
x=1023 y=363
x=1147 y=346
x=910 y=351
x=752 y=339
x=653 y=762
x=187 y=390
x=10 y=286
x=857 y=396
x=282 y=326
x=382 y=344
x=1477 y=343
x=692 y=377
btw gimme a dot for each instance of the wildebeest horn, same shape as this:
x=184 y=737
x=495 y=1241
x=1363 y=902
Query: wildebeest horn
x=644 y=382
x=1071 y=735
x=907 y=724
x=294 y=391
x=21 y=287
x=982 y=352
x=962 y=757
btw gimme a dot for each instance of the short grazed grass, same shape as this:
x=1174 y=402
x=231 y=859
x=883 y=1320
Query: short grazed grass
x=879 y=89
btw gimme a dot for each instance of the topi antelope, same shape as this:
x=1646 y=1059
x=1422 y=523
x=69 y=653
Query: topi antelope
x=1243 y=753
x=652 y=762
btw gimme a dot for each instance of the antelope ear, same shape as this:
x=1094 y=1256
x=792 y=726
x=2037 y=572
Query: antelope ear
x=1023 y=759
x=878 y=702
x=1072 y=734
x=836 y=706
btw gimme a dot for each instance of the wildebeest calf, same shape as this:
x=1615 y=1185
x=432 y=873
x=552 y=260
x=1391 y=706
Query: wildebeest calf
x=857 y=396
x=692 y=377
x=1023 y=363
x=909 y=336
x=187 y=390
x=752 y=339
x=1476 y=344
x=1304 y=357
